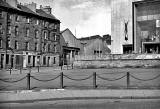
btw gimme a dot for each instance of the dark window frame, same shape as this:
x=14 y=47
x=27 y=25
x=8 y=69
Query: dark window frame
x=16 y=30
x=16 y=45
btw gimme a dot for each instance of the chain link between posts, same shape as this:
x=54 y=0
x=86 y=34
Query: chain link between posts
x=8 y=81
x=109 y=79
x=140 y=79
x=75 y=79
x=45 y=80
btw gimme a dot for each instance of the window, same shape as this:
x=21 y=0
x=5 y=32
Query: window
x=45 y=35
x=57 y=37
x=36 y=47
x=7 y=59
x=17 y=18
x=54 y=36
x=36 y=34
x=9 y=16
x=1 y=31
x=44 y=60
x=0 y=43
x=28 y=20
x=1 y=15
x=49 y=47
x=29 y=59
x=44 y=47
x=16 y=45
x=55 y=50
x=8 y=43
x=45 y=24
x=54 y=61
x=37 y=22
x=9 y=28
x=49 y=36
x=16 y=30
x=27 y=32
x=26 y=46
x=55 y=26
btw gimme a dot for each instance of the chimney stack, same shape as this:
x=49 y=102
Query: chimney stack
x=13 y=3
x=46 y=9
x=31 y=6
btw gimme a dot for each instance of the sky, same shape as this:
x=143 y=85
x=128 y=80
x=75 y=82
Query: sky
x=83 y=17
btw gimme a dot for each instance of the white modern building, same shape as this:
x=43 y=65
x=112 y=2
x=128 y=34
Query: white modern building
x=135 y=26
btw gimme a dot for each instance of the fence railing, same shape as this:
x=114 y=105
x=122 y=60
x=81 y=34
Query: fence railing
x=127 y=76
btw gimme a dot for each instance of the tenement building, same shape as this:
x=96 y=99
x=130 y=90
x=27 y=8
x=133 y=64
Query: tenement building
x=28 y=36
x=135 y=26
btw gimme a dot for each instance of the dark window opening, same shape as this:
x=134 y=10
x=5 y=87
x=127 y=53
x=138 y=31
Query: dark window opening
x=44 y=60
x=16 y=45
x=29 y=59
x=7 y=59
x=127 y=49
x=152 y=48
x=16 y=30
x=0 y=43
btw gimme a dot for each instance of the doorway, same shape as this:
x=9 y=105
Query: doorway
x=33 y=61
x=48 y=61
x=12 y=61
x=2 y=60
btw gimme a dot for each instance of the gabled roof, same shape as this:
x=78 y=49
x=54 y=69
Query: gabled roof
x=5 y=4
x=64 y=30
x=25 y=9
x=21 y=8
x=44 y=14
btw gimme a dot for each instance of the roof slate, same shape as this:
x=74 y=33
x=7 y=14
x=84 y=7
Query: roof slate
x=21 y=8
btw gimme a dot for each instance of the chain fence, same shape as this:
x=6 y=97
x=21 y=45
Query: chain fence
x=9 y=81
x=45 y=80
x=126 y=76
x=111 y=79
x=76 y=79
x=140 y=79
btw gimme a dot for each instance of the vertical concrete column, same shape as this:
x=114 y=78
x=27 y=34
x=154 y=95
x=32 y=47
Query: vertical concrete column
x=41 y=60
x=10 y=56
x=14 y=61
x=36 y=61
x=25 y=60
x=0 y=61
x=31 y=60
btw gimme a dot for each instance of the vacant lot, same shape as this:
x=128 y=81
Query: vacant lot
x=81 y=78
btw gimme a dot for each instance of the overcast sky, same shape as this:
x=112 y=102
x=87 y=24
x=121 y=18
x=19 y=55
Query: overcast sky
x=86 y=17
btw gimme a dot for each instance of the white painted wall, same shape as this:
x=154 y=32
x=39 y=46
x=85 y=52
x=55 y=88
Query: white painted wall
x=121 y=11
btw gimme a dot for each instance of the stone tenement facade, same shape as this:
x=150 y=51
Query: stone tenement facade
x=28 y=36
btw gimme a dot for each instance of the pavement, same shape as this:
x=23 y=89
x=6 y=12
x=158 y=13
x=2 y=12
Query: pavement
x=26 y=96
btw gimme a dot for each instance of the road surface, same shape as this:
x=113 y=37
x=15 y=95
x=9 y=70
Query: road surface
x=87 y=104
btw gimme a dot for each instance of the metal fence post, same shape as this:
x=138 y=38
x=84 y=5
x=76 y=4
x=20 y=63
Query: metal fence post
x=61 y=80
x=94 y=80
x=128 y=80
x=28 y=81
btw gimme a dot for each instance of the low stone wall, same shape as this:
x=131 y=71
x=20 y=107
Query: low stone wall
x=118 y=56
x=134 y=61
